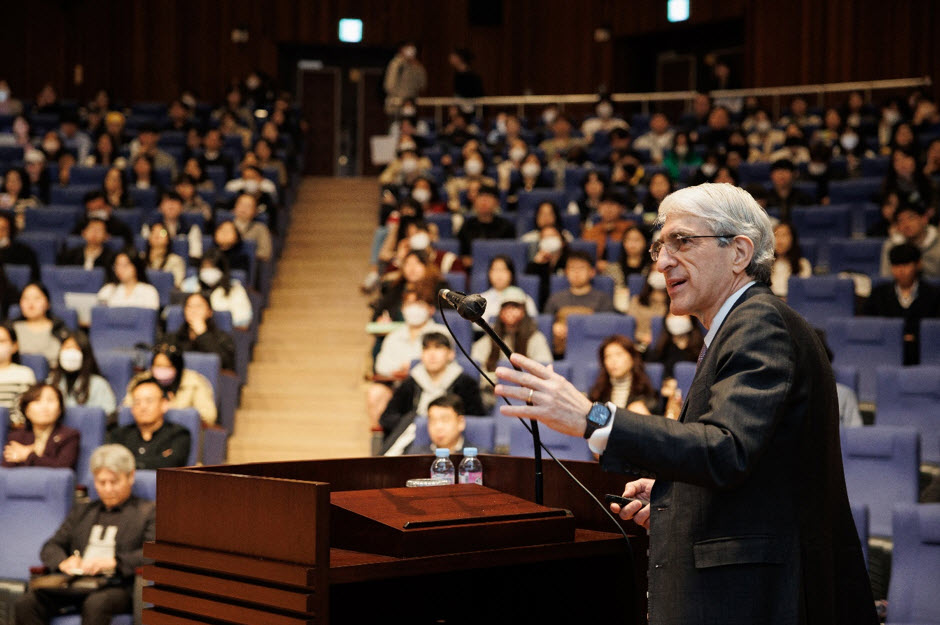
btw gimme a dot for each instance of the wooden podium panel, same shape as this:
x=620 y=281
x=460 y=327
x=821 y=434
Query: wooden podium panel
x=259 y=544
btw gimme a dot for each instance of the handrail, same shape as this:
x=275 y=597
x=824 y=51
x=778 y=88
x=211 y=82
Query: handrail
x=521 y=101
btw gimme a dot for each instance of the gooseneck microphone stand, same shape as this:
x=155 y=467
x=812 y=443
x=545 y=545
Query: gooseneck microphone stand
x=471 y=308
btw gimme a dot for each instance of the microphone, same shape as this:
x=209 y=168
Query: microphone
x=470 y=307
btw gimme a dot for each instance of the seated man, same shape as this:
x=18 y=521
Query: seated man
x=782 y=195
x=907 y=296
x=610 y=227
x=245 y=211
x=97 y=207
x=579 y=298
x=446 y=425
x=155 y=442
x=912 y=225
x=436 y=375
x=102 y=537
x=484 y=224
x=94 y=253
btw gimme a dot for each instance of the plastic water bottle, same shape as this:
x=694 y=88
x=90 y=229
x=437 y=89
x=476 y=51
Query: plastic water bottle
x=443 y=468
x=471 y=469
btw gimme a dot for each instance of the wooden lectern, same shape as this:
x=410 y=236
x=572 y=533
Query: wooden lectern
x=341 y=541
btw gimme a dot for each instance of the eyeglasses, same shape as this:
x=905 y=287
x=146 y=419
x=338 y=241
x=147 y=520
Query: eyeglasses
x=675 y=243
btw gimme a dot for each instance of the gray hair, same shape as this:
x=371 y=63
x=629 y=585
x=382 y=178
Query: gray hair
x=728 y=210
x=117 y=458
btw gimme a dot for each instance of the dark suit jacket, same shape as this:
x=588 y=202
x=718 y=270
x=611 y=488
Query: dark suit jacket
x=883 y=302
x=750 y=517
x=61 y=449
x=135 y=523
x=76 y=256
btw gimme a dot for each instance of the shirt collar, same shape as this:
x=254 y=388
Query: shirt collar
x=723 y=312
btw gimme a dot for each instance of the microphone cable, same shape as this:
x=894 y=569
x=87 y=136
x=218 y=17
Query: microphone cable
x=603 y=507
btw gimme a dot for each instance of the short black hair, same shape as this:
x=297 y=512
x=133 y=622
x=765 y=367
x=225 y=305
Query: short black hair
x=450 y=400
x=488 y=189
x=150 y=380
x=904 y=254
x=579 y=255
x=436 y=339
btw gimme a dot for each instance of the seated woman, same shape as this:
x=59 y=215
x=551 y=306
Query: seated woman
x=520 y=333
x=44 y=442
x=200 y=334
x=228 y=240
x=548 y=261
x=546 y=215
x=185 y=388
x=225 y=293
x=502 y=275
x=14 y=377
x=158 y=256
x=621 y=377
x=114 y=188
x=127 y=284
x=788 y=260
x=77 y=377
x=635 y=257
x=680 y=341
x=38 y=331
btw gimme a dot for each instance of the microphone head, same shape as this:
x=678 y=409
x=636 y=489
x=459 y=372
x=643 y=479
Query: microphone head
x=472 y=307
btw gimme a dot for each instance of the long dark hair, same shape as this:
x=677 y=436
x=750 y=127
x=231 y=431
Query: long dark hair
x=794 y=254
x=135 y=259
x=77 y=383
x=645 y=260
x=640 y=384
x=210 y=322
x=15 y=356
x=147 y=248
x=524 y=331
x=510 y=265
x=175 y=355
x=32 y=394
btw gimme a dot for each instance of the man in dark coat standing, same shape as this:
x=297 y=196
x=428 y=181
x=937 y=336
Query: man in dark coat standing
x=744 y=496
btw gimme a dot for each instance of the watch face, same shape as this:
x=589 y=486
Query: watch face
x=599 y=415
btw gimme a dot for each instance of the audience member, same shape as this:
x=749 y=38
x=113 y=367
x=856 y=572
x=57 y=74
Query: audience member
x=95 y=251
x=621 y=377
x=76 y=375
x=228 y=241
x=405 y=169
x=446 y=426
x=184 y=388
x=147 y=143
x=906 y=180
x=783 y=196
x=658 y=140
x=467 y=83
x=225 y=292
x=501 y=275
x=912 y=223
x=907 y=296
x=15 y=193
x=634 y=258
x=681 y=340
x=158 y=255
x=474 y=172
x=127 y=284
x=485 y=224
x=405 y=78
x=435 y=376
x=39 y=332
x=579 y=298
x=45 y=441
x=80 y=545
x=547 y=215
x=593 y=187
x=551 y=255
x=14 y=377
x=681 y=156
x=114 y=189
x=97 y=207
x=604 y=120
x=213 y=156
x=788 y=259
x=610 y=228
x=245 y=215
x=199 y=333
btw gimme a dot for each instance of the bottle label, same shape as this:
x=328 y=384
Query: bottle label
x=471 y=477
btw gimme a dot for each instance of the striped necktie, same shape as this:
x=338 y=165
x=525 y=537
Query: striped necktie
x=701 y=356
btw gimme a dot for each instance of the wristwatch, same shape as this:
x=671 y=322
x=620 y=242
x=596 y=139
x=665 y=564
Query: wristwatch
x=598 y=417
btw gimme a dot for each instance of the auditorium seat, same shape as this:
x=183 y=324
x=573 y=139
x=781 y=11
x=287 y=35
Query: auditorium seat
x=174 y=319
x=822 y=222
x=118 y=369
x=45 y=245
x=860 y=516
x=587 y=332
x=479 y=282
x=58 y=219
x=910 y=396
x=62 y=280
x=599 y=282
x=855 y=255
x=529 y=200
x=163 y=282
x=564 y=447
x=930 y=341
x=867 y=343
x=72 y=195
x=882 y=467
x=684 y=372
x=36 y=362
x=85 y=175
x=483 y=251
x=854 y=190
x=915 y=565
x=120 y=329
x=821 y=297
x=33 y=503
x=90 y=421
x=187 y=417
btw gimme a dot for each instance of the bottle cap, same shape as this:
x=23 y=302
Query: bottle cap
x=469 y=451
x=442 y=452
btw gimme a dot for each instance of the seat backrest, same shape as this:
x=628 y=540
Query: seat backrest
x=684 y=372
x=33 y=503
x=882 y=468
x=483 y=251
x=854 y=190
x=18 y=275
x=529 y=200
x=90 y=422
x=930 y=341
x=145 y=485
x=174 y=318
x=57 y=219
x=601 y=283
x=587 y=332
x=865 y=342
x=121 y=328
x=910 y=396
x=207 y=364
x=45 y=245
x=162 y=281
x=822 y=221
x=480 y=431
x=562 y=446
x=118 y=369
x=860 y=516
x=915 y=565
x=819 y=298
x=857 y=256
x=69 y=279
x=36 y=362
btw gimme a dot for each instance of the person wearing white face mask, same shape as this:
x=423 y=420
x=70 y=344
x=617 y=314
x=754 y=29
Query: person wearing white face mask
x=77 y=377
x=400 y=347
x=254 y=183
x=225 y=293
x=605 y=121
x=650 y=302
x=473 y=172
x=405 y=169
x=183 y=387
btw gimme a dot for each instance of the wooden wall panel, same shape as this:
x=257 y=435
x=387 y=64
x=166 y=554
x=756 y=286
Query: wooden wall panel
x=140 y=49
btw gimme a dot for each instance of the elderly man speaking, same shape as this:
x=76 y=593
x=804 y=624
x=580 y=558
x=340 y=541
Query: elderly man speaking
x=744 y=496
